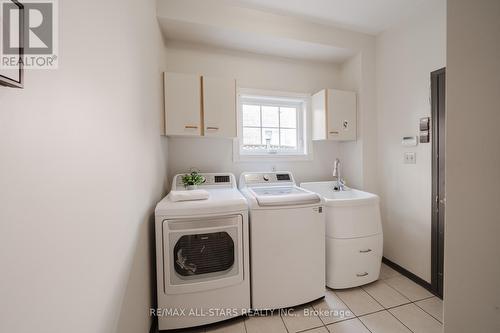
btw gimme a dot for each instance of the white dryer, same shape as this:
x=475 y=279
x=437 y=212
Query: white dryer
x=287 y=240
x=202 y=255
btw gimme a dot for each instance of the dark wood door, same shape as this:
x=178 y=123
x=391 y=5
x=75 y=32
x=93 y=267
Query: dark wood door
x=438 y=178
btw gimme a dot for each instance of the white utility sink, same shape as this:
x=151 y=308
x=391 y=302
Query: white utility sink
x=336 y=198
x=353 y=235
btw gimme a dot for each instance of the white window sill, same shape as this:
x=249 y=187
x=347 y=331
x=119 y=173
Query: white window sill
x=271 y=158
x=238 y=157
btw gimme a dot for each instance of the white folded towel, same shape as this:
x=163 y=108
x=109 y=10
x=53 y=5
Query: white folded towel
x=188 y=195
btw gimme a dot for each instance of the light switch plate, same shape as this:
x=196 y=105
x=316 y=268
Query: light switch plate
x=409 y=141
x=410 y=158
x=424 y=123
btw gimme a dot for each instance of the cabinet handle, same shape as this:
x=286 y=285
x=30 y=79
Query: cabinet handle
x=190 y=127
x=212 y=128
x=362 y=274
x=365 y=251
x=334 y=132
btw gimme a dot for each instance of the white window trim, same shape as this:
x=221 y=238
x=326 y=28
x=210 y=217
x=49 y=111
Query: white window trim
x=304 y=126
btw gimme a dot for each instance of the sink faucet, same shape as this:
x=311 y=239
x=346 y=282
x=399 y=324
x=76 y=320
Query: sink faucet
x=336 y=174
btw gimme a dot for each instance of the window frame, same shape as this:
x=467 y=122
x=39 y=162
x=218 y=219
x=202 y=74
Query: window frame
x=274 y=98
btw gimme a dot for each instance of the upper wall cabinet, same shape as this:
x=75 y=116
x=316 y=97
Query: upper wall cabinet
x=182 y=104
x=219 y=106
x=199 y=105
x=334 y=115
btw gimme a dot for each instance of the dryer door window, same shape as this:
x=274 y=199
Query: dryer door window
x=203 y=253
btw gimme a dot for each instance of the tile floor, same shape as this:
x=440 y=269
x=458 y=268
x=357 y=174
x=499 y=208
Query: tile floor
x=393 y=304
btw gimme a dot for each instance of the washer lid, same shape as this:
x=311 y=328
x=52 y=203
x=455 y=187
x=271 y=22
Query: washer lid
x=283 y=196
x=220 y=201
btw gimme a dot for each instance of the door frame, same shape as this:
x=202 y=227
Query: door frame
x=438 y=201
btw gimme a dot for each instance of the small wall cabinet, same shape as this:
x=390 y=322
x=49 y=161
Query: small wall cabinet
x=200 y=105
x=182 y=104
x=219 y=106
x=334 y=115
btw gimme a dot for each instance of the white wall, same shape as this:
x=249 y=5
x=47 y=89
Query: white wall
x=405 y=56
x=472 y=222
x=251 y=71
x=82 y=166
x=351 y=152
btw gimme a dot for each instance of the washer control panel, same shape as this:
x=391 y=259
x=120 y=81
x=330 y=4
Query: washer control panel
x=260 y=178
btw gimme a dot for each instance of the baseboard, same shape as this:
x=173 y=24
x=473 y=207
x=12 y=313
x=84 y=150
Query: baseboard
x=409 y=275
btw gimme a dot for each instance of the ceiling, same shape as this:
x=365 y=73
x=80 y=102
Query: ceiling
x=251 y=42
x=367 y=16
x=281 y=27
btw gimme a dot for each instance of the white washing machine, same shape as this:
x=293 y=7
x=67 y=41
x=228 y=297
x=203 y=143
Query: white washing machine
x=202 y=255
x=287 y=240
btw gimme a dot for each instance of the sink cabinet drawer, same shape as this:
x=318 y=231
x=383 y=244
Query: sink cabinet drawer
x=353 y=262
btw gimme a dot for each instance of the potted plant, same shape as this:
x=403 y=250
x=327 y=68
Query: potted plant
x=192 y=180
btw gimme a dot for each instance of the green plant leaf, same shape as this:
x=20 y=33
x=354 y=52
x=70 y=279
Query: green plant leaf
x=193 y=178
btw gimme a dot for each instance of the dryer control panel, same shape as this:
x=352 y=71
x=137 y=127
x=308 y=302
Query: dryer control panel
x=212 y=180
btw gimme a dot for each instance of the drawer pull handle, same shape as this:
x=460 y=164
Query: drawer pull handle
x=334 y=132
x=365 y=251
x=362 y=274
x=190 y=127
x=213 y=128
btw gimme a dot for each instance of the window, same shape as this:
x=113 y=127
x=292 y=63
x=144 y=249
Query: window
x=271 y=125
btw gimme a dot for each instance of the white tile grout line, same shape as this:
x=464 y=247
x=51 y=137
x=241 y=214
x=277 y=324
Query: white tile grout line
x=370 y=313
x=283 y=321
x=393 y=307
x=245 y=323
x=307 y=329
x=384 y=309
x=430 y=314
x=355 y=316
x=410 y=301
x=345 y=319
x=389 y=277
x=390 y=307
x=319 y=317
x=399 y=292
x=312 y=328
x=417 y=307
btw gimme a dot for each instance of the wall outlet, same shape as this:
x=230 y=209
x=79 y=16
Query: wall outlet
x=410 y=158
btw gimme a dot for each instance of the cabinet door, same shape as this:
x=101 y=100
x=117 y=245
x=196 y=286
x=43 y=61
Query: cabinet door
x=318 y=106
x=219 y=107
x=341 y=115
x=182 y=104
